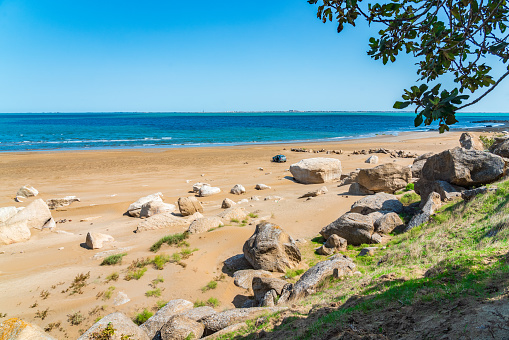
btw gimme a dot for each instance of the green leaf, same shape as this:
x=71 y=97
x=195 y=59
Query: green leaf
x=418 y=120
x=401 y=105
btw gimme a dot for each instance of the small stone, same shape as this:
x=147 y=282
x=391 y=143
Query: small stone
x=61 y=248
x=262 y=187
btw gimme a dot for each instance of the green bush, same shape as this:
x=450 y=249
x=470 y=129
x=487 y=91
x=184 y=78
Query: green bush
x=410 y=198
x=113 y=259
x=291 y=273
x=175 y=239
x=142 y=317
x=135 y=274
x=155 y=292
x=211 y=285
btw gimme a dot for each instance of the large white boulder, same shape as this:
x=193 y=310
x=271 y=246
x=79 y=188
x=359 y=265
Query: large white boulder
x=135 y=208
x=95 y=240
x=156 y=207
x=316 y=170
x=238 y=189
x=208 y=191
x=36 y=214
x=14 y=232
x=204 y=224
x=27 y=191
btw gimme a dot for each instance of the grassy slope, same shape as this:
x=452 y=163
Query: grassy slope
x=455 y=263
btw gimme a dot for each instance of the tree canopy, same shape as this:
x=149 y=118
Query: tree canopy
x=448 y=37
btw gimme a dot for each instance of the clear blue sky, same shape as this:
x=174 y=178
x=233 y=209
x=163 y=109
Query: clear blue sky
x=164 y=55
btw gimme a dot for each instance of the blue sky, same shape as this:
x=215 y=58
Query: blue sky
x=81 y=56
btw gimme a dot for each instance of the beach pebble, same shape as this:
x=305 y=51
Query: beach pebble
x=61 y=248
x=262 y=187
x=238 y=189
x=227 y=203
x=208 y=191
x=261 y=169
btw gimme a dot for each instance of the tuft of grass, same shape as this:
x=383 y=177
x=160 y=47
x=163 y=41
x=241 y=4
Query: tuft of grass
x=155 y=292
x=112 y=277
x=213 y=302
x=252 y=215
x=410 y=198
x=175 y=239
x=211 y=285
x=160 y=260
x=51 y=326
x=142 y=317
x=486 y=141
x=108 y=293
x=75 y=318
x=77 y=285
x=160 y=304
x=113 y=259
x=135 y=274
x=44 y=294
x=199 y=303
x=156 y=281
x=41 y=314
x=187 y=252
x=291 y=273
x=234 y=220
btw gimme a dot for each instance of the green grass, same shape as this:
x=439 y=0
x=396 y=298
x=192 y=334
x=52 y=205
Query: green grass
x=113 y=259
x=155 y=292
x=174 y=239
x=409 y=187
x=160 y=304
x=160 y=260
x=211 y=285
x=410 y=198
x=212 y=302
x=135 y=274
x=142 y=317
x=252 y=215
x=234 y=220
x=108 y=293
x=112 y=277
x=291 y=273
x=157 y=280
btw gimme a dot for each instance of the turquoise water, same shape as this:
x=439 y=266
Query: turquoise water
x=75 y=131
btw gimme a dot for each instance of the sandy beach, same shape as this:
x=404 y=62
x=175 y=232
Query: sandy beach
x=107 y=182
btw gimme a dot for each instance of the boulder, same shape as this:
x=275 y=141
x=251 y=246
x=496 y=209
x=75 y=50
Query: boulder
x=315 y=193
x=357 y=189
x=27 y=191
x=237 y=262
x=179 y=327
x=464 y=167
x=219 y=321
x=235 y=213
x=238 y=189
x=166 y=220
x=273 y=198
x=387 y=223
x=7 y=212
x=244 y=278
x=135 y=208
x=261 y=285
x=189 y=206
x=419 y=162
x=55 y=203
x=316 y=170
x=155 y=207
x=36 y=214
x=197 y=186
x=123 y=327
x=198 y=313
x=379 y=202
x=271 y=248
x=154 y=324
x=326 y=251
x=470 y=142
x=349 y=178
x=227 y=331
x=311 y=279
x=204 y=224
x=468 y=195
x=206 y=191
x=269 y=299
x=446 y=191
x=385 y=178
x=372 y=159
x=17 y=329
x=500 y=146
x=261 y=187
x=50 y=224
x=95 y=240
x=227 y=203
x=432 y=204
x=355 y=228
x=336 y=242
x=369 y=251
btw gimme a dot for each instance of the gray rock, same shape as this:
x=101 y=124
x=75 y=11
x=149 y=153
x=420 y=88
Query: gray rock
x=189 y=206
x=357 y=189
x=206 y=191
x=355 y=228
x=237 y=262
x=316 y=170
x=198 y=313
x=27 y=191
x=317 y=192
x=18 y=329
x=419 y=162
x=154 y=324
x=230 y=329
x=36 y=214
x=227 y=203
x=204 y=224
x=379 y=202
x=387 y=223
x=244 y=278
x=219 y=321
x=238 y=189
x=271 y=248
x=55 y=203
x=235 y=213
x=324 y=250
x=500 y=146
x=432 y=204
x=261 y=186
x=269 y=299
x=372 y=159
x=135 y=208
x=311 y=279
x=336 y=242
x=261 y=285
x=156 y=207
x=179 y=327
x=95 y=240
x=470 y=142
x=122 y=325
x=369 y=251
x=464 y=167
x=468 y=195
x=446 y=191
x=349 y=178
x=385 y=178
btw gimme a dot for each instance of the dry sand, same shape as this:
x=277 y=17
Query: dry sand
x=108 y=181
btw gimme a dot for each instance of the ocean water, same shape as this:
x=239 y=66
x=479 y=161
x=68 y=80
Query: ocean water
x=78 y=131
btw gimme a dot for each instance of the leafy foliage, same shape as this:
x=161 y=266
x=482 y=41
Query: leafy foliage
x=451 y=37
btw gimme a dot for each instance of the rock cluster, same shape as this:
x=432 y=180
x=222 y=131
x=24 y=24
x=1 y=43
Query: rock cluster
x=385 y=178
x=328 y=152
x=392 y=153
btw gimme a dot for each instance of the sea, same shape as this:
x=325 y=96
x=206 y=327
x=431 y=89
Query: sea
x=20 y=132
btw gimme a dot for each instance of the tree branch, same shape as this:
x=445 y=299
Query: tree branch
x=485 y=93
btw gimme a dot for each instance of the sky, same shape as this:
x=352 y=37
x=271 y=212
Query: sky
x=182 y=56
